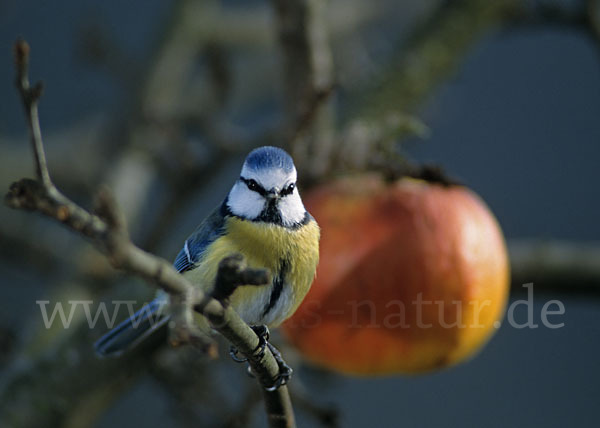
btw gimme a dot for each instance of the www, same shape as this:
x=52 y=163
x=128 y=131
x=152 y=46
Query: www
x=102 y=309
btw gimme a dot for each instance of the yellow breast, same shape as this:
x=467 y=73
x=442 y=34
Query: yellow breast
x=264 y=245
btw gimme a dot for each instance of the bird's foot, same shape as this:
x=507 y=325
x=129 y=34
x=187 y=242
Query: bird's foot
x=235 y=355
x=262 y=331
x=285 y=371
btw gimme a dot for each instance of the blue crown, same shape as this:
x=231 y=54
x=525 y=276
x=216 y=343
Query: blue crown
x=269 y=157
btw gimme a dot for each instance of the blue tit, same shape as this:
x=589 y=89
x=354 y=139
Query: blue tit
x=262 y=218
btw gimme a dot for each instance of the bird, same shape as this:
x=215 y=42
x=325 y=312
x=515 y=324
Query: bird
x=262 y=218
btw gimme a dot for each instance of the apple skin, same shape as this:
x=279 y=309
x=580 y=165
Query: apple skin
x=413 y=276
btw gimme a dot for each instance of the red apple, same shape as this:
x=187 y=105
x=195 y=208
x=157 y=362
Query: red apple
x=412 y=277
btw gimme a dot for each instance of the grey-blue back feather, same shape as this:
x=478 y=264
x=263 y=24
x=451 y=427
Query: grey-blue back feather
x=150 y=318
x=206 y=233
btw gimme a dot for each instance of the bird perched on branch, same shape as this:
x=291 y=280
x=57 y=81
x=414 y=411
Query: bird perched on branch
x=263 y=219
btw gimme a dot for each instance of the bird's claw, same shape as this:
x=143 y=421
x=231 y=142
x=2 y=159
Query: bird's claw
x=285 y=374
x=234 y=354
x=262 y=331
x=285 y=371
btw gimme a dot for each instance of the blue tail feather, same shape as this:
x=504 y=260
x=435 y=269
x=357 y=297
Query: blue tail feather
x=133 y=330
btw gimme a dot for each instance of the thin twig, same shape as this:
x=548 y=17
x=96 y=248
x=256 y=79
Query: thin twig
x=234 y=273
x=30 y=96
x=108 y=232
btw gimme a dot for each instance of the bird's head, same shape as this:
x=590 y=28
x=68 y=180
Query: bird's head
x=266 y=190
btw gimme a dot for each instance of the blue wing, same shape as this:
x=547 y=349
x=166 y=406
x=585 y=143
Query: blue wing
x=193 y=247
x=150 y=319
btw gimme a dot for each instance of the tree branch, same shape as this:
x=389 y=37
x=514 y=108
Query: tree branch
x=586 y=18
x=30 y=96
x=308 y=79
x=555 y=266
x=107 y=230
x=432 y=52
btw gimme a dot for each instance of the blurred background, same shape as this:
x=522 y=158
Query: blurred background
x=162 y=100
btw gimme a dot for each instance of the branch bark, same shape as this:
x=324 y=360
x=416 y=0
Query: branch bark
x=107 y=231
x=555 y=266
x=308 y=82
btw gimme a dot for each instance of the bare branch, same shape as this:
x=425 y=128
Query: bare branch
x=308 y=74
x=431 y=54
x=30 y=96
x=234 y=273
x=586 y=18
x=555 y=266
x=108 y=233
x=33 y=195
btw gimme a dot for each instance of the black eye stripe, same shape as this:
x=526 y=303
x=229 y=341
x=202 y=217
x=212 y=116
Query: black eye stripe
x=288 y=190
x=254 y=186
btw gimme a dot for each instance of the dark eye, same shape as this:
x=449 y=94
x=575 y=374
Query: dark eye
x=252 y=185
x=289 y=190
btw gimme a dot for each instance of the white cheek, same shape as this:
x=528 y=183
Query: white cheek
x=291 y=208
x=244 y=202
